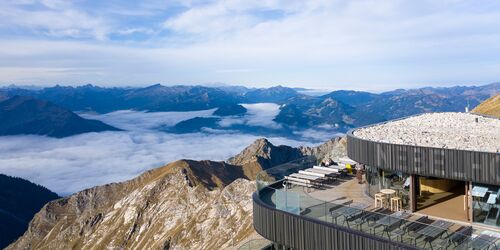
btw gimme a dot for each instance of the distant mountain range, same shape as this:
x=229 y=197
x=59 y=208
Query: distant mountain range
x=26 y=115
x=339 y=110
x=20 y=200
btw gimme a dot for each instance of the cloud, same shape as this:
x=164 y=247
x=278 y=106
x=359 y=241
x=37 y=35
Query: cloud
x=258 y=115
x=322 y=44
x=73 y=163
x=141 y=120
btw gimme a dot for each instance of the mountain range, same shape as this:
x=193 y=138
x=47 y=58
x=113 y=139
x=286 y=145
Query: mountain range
x=338 y=110
x=183 y=205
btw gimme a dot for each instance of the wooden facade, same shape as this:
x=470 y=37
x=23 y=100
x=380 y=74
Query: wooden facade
x=463 y=165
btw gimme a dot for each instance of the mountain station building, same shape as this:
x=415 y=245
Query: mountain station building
x=430 y=181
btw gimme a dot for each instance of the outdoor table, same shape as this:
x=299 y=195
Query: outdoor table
x=388 y=191
x=479 y=191
x=492 y=199
x=391 y=220
x=435 y=229
x=347 y=211
x=306 y=177
x=482 y=241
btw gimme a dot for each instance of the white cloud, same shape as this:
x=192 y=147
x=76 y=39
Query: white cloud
x=73 y=163
x=70 y=164
x=141 y=120
x=324 y=44
x=257 y=115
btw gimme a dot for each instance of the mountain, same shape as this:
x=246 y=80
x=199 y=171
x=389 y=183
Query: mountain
x=194 y=124
x=153 y=98
x=262 y=155
x=489 y=107
x=278 y=94
x=339 y=110
x=177 y=98
x=20 y=200
x=307 y=112
x=231 y=109
x=352 y=98
x=183 y=205
x=401 y=103
x=348 y=109
x=26 y=115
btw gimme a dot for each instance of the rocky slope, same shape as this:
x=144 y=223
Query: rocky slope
x=183 y=205
x=489 y=107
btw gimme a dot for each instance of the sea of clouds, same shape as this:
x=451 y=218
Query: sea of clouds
x=74 y=163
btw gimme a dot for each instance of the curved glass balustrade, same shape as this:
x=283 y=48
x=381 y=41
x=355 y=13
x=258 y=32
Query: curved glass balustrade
x=410 y=229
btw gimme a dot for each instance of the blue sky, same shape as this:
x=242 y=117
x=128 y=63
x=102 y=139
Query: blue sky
x=367 y=45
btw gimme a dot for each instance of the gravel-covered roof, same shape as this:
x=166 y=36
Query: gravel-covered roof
x=441 y=130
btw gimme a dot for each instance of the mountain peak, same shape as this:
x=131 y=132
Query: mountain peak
x=262 y=154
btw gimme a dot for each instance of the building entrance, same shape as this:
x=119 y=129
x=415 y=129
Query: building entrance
x=441 y=198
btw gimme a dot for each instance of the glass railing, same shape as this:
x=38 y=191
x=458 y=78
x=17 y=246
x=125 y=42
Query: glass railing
x=404 y=227
x=256 y=244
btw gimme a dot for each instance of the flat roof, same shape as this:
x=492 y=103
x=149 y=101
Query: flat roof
x=449 y=130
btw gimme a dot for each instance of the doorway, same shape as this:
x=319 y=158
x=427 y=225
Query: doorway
x=441 y=198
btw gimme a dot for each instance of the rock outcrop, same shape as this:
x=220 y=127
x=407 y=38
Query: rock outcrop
x=331 y=150
x=262 y=154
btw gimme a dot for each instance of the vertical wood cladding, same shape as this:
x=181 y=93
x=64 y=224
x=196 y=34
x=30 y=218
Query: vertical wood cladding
x=305 y=233
x=482 y=167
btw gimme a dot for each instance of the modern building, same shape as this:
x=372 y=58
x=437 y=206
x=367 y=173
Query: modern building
x=430 y=181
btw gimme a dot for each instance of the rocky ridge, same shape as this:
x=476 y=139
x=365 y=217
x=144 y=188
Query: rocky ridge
x=183 y=205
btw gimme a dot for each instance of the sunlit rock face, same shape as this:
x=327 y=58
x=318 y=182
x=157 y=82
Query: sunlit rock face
x=183 y=205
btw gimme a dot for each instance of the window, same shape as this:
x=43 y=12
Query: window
x=378 y=179
x=486 y=204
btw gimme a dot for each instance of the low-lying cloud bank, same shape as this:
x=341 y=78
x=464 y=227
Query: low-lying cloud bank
x=73 y=163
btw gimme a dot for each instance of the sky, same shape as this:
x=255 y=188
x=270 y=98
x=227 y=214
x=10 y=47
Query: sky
x=364 y=44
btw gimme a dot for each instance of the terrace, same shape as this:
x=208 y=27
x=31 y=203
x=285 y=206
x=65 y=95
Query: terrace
x=340 y=201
